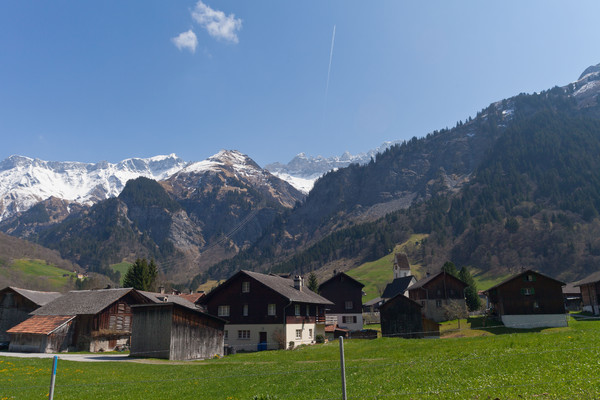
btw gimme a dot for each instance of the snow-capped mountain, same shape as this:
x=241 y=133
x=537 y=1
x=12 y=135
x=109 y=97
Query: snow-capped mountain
x=302 y=171
x=26 y=181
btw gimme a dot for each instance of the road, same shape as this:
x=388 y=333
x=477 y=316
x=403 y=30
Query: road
x=72 y=357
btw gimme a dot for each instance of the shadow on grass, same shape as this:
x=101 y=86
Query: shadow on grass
x=496 y=327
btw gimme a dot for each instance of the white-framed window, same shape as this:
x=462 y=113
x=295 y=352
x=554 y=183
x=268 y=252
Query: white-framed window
x=271 y=309
x=349 y=305
x=297 y=309
x=244 y=334
x=223 y=311
x=245 y=287
x=245 y=310
x=310 y=334
x=299 y=334
x=349 y=319
x=528 y=291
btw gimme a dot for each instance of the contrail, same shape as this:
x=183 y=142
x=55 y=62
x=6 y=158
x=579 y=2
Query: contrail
x=330 y=58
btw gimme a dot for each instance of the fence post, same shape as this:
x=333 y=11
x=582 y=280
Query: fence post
x=343 y=367
x=53 y=378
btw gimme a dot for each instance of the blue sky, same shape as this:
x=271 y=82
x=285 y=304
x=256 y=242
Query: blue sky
x=107 y=80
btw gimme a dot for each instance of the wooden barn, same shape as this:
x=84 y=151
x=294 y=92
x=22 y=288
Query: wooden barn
x=102 y=319
x=346 y=294
x=528 y=300
x=436 y=292
x=402 y=317
x=590 y=292
x=16 y=304
x=176 y=332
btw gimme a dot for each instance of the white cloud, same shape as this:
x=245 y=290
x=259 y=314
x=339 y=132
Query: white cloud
x=186 y=40
x=216 y=23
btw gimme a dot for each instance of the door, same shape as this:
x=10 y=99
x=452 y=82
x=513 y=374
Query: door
x=262 y=341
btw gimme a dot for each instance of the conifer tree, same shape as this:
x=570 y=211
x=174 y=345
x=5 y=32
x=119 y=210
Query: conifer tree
x=472 y=299
x=313 y=283
x=141 y=275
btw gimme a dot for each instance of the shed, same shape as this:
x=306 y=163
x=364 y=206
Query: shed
x=17 y=303
x=42 y=334
x=176 y=332
x=403 y=317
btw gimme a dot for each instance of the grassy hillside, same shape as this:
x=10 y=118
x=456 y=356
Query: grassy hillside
x=375 y=275
x=552 y=363
x=36 y=274
x=122 y=268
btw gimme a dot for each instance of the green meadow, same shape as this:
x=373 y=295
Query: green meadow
x=30 y=270
x=122 y=267
x=559 y=363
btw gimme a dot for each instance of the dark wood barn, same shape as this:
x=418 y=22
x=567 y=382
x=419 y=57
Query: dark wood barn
x=590 y=292
x=403 y=317
x=437 y=292
x=42 y=334
x=16 y=304
x=102 y=317
x=528 y=300
x=346 y=294
x=175 y=332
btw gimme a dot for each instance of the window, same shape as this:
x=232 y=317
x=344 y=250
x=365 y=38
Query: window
x=245 y=310
x=536 y=305
x=226 y=334
x=298 y=333
x=245 y=287
x=223 y=311
x=349 y=305
x=529 y=278
x=271 y=309
x=350 y=319
x=310 y=334
x=297 y=309
x=528 y=291
x=244 y=334
x=438 y=303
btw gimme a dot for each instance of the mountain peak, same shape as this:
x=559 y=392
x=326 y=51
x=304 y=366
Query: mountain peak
x=594 y=69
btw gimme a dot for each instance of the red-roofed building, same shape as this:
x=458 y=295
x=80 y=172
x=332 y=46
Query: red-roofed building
x=42 y=334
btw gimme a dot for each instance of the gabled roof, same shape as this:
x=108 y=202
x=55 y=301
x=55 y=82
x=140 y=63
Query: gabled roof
x=192 y=297
x=593 y=278
x=41 y=324
x=173 y=304
x=425 y=281
x=529 y=271
x=398 y=285
x=373 y=302
x=36 y=297
x=78 y=302
x=345 y=276
x=282 y=286
x=167 y=298
x=400 y=297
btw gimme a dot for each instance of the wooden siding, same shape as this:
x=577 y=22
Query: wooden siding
x=14 y=309
x=339 y=290
x=401 y=317
x=57 y=341
x=257 y=299
x=443 y=287
x=175 y=332
x=519 y=296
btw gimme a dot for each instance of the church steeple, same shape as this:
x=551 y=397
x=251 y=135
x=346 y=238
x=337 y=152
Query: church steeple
x=401 y=266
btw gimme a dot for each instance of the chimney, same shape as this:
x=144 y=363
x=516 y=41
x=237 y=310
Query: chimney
x=298 y=282
x=161 y=289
